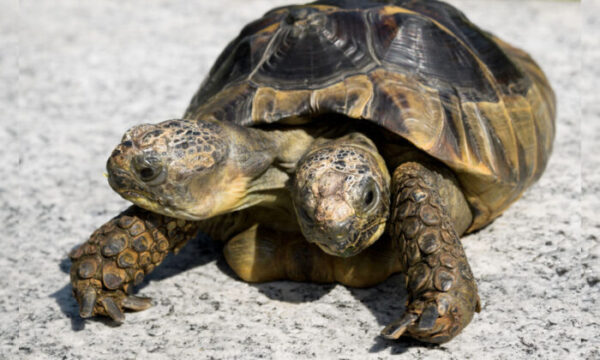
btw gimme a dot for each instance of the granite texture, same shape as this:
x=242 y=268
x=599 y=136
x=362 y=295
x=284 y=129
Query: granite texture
x=86 y=71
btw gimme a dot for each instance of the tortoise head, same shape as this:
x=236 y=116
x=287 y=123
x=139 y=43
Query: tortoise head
x=183 y=168
x=341 y=195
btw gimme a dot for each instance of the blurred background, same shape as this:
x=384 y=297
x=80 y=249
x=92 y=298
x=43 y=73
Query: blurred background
x=78 y=74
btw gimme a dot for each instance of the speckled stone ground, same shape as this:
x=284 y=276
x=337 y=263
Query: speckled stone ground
x=86 y=71
x=590 y=166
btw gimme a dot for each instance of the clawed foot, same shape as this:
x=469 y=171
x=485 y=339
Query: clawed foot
x=109 y=303
x=435 y=319
x=115 y=258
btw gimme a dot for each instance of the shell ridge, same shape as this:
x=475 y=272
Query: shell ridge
x=460 y=124
x=367 y=18
x=266 y=53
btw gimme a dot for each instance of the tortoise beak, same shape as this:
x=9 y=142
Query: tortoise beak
x=337 y=238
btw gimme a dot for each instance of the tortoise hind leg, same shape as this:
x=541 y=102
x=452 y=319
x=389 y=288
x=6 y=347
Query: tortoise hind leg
x=253 y=256
x=261 y=254
x=442 y=291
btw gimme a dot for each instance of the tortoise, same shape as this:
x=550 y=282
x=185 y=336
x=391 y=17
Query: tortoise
x=463 y=121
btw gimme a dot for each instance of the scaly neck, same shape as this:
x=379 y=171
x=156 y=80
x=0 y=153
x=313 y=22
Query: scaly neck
x=265 y=159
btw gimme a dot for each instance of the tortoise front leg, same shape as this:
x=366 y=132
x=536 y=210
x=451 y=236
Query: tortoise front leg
x=442 y=291
x=118 y=255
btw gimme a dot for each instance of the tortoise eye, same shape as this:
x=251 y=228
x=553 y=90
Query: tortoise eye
x=369 y=197
x=147 y=174
x=149 y=169
x=153 y=175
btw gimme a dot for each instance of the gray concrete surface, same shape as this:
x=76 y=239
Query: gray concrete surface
x=80 y=73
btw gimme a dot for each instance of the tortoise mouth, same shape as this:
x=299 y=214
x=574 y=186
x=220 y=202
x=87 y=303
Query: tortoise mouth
x=159 y=206
x=120 y=181
x=334 y=251
x=350 y=242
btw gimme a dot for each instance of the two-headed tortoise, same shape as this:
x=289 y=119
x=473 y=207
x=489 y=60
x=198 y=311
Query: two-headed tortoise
x=463 y=121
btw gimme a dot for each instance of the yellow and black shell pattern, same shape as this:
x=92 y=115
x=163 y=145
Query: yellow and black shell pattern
x=420 y=69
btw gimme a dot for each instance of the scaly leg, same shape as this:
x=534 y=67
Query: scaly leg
x=118 y=255
x=442 y=291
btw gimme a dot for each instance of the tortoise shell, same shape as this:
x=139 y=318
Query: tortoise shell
x=420 y=69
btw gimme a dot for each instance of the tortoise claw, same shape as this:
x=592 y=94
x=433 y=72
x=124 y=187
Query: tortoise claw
x=94 y=302
x=428 y=318
x=113 y=310
x=394 y=330
x=136 y=303
x=88 y=301
x=412 y=322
